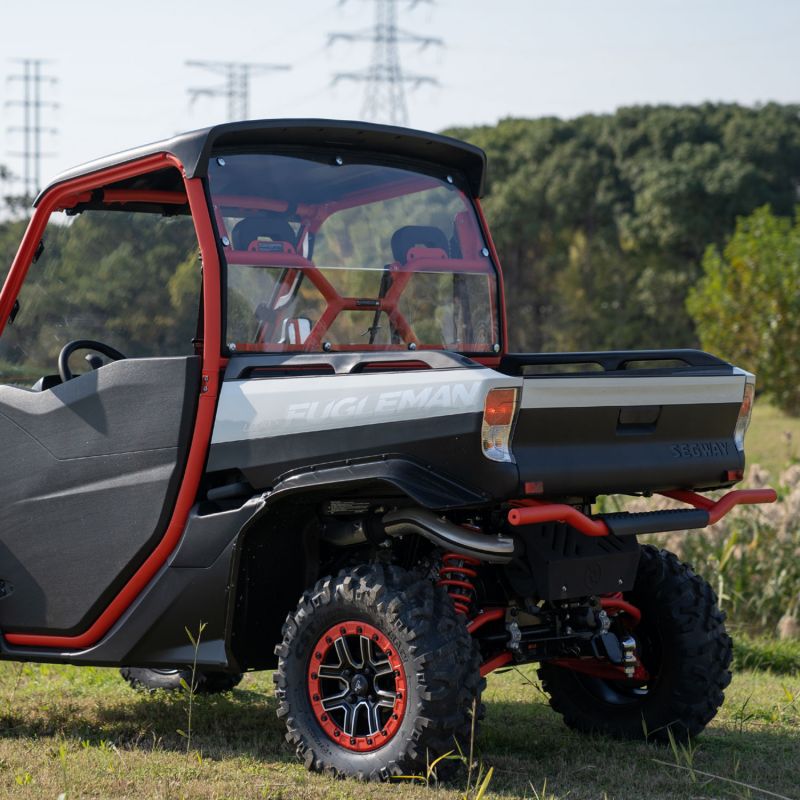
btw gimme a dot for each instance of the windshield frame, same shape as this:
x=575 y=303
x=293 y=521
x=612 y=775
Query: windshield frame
x=423 y=175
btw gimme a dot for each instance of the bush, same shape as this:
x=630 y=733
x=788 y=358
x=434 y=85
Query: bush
x=747 y=306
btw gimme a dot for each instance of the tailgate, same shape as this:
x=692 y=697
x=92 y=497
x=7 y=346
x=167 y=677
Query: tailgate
x=643 y=421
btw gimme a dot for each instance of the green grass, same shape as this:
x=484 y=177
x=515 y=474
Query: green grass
x=773 y=440
x=85 y=732
x=780 y=657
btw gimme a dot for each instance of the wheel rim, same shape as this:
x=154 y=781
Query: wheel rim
x=357 y=686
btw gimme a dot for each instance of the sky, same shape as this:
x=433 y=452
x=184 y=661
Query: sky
x=122 y=78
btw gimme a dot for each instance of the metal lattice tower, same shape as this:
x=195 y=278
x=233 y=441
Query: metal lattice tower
x=236 y=88
x=32 y=130
x=384 y=96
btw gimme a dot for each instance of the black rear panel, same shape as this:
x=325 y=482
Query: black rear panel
x=579 y=451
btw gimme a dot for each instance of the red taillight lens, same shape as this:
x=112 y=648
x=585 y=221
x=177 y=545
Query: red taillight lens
x=746 y=410
x=498 y=419
x=500 y=406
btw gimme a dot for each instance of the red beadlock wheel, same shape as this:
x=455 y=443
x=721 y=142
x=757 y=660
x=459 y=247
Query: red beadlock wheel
x=377 y=675
x=357 y=686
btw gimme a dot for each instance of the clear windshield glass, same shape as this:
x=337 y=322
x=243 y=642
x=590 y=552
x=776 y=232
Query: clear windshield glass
x=355 y=256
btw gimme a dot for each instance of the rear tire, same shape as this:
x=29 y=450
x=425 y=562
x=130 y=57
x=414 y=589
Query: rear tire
x=682 y=643
x=408 y=659
x=149 y=680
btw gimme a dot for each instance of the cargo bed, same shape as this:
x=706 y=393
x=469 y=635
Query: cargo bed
x=626 y=422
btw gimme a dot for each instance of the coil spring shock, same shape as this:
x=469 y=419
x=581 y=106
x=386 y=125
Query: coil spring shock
x=456 y=574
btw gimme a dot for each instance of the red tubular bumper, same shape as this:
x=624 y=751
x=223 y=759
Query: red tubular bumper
x=535 y=511
x=558 y=512
x=717 y=510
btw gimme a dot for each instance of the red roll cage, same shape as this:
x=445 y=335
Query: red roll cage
x=101 y=188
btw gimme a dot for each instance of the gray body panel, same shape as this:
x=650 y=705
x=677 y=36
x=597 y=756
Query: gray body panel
x=614 y=431
x=88 y=479
x=266 y=427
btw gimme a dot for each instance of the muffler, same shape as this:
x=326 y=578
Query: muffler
x=446 y=534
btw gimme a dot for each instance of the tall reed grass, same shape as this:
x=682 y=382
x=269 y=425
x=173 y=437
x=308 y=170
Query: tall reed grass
x=751 y=557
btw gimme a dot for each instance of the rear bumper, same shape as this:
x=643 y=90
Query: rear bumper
x=704 y=512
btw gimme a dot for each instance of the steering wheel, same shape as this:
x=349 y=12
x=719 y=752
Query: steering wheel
x=83 y=344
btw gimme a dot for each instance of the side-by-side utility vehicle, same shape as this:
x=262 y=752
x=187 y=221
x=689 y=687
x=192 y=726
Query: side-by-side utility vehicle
x=312 y=440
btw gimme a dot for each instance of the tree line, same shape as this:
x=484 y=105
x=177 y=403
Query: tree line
x=619 y=231
x=602 y=221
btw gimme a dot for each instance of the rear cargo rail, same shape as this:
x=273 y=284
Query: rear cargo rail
x=640 y=361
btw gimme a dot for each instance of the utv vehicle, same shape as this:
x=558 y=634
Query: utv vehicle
x=345 y=475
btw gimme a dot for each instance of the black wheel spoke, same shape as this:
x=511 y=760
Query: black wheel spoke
x=382 y=668
x=366 y=652
x=374 y=718
x=331 y=672
x=345 y=656
x=336 y=701
x=387 y=697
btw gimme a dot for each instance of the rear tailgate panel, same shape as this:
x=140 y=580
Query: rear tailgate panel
x=622 y=430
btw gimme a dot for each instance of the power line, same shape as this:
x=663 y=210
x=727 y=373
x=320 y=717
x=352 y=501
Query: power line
x=384 y=96
x=236 y=88
x=32 y=104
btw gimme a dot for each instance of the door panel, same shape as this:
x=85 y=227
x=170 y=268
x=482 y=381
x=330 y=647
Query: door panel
x=89 y=472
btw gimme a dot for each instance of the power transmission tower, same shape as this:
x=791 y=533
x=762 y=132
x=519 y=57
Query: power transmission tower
x=384 y=96
x=236 y=88
x=32 y=104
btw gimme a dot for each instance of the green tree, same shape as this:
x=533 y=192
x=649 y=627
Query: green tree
x=601 y=221
x=129 y=280
x=747 y=306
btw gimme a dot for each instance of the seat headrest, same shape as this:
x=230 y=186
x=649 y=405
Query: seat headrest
x=269 y=225
x=417 y=235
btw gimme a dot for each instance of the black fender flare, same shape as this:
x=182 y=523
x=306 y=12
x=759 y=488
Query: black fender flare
x=207 y=535
x=422 y=484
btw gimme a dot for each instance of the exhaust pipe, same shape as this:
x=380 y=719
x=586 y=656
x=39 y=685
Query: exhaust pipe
x=452 y=537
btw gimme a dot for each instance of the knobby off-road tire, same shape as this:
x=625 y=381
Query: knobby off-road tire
x=427 y=662
x=681 y=641
x=149 y=680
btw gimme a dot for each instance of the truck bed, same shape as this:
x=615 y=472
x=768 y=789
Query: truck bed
x=626 y=422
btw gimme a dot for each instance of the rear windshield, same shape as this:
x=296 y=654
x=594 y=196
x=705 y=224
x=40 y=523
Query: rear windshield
x=352 y=256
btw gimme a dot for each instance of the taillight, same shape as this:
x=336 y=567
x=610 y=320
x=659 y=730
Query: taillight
x=499 y=411
x=745 y=411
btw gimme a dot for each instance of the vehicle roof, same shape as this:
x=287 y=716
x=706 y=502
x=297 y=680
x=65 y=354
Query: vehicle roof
x=193 y=149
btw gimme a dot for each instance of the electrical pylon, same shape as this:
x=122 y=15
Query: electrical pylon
x=384 y=96
x=236 y=88
x=32 y=129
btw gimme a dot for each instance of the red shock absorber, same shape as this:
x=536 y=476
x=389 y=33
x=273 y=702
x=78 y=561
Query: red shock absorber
x=456 y=574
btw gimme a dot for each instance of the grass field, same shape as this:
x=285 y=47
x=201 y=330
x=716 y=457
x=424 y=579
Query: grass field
x=84 y=732
x=773 y=440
